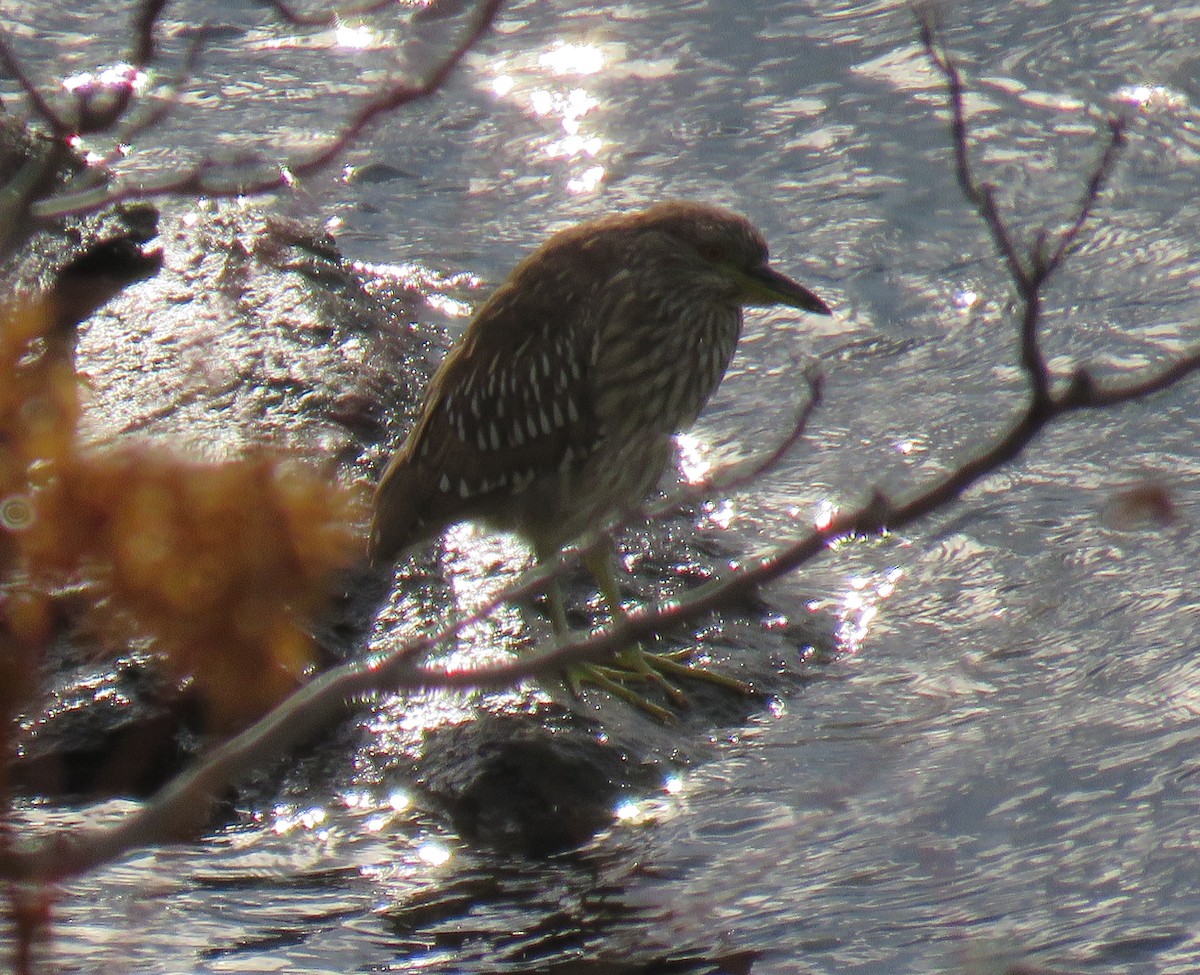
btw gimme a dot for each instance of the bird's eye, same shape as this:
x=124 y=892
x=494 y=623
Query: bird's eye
x=712 y=253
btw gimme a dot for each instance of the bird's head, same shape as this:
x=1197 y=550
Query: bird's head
x=726 y=250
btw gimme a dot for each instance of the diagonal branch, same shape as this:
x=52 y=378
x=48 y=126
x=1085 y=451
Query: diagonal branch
x=95 y=177
x=41 y=107
x=1100 y=176
x=981 y=195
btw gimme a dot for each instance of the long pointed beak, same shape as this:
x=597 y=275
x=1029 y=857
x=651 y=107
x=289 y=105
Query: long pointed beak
x=766 y=286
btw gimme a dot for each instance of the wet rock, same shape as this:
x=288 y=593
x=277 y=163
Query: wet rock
x=120 y=730
x=254 y=331
x=537 y=771
x=529 y=783
x=201 y=328
x=250 y=330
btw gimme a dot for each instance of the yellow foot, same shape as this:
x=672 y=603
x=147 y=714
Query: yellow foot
x=609 y=679
x=660 y=670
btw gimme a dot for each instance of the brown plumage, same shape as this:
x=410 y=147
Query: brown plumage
x=558 y=407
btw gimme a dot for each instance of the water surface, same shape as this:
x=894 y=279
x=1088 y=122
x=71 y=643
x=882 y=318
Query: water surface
x=1001 y=763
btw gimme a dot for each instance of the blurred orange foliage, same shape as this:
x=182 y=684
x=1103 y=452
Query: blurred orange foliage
x=219 y=566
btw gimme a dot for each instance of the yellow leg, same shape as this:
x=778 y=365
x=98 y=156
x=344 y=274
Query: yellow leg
x=634 y=663
x=558 y=609
x=597 y=675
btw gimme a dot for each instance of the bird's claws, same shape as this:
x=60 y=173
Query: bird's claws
x=661 y=670
x=668 y=664
x=636 y=664
x=598 y=676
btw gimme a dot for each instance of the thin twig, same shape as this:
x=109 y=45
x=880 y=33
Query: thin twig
x=41 y=108
x=1099 y=178
x=1022 y=270
x=133 y=127
x=205 y=178
x=1029 y=272
x=982 y=195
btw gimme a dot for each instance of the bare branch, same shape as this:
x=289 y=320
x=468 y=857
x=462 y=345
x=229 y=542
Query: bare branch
x=204 y=179
x=41 y=108
x=982 y=195
x=1030 y=273
x=1084 y=394
x=1096 y=183
x=144 y=121
x=1026 y=273
x=91 y=115
x=402 y=94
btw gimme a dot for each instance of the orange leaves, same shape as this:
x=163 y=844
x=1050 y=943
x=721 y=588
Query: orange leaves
x=219 y=566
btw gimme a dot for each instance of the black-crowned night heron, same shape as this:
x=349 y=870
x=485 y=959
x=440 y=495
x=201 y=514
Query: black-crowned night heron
x=558 y=407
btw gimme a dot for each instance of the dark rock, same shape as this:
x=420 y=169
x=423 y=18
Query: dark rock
x=121 y=730
x=524 y=782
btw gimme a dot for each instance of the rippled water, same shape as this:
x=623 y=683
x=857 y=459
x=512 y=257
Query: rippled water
x=1001 y=766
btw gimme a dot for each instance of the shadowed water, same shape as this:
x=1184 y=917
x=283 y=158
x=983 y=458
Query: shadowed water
x=1000 y=766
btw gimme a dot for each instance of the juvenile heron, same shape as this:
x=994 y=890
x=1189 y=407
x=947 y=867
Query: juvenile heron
x=558 y=407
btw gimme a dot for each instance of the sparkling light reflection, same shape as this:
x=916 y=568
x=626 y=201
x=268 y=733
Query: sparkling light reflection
x=693 y=464
x=1151 y=97
x=537 y=84
x=357 y=38
x=429 y=283
x=395 y=801
x=433 y=853
x=587 y=181
x=860 y=607
x=121 y=75
x=564 y=58
x=965 y=299
x=287 y=818
x=720 y=513
x=570 y=108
